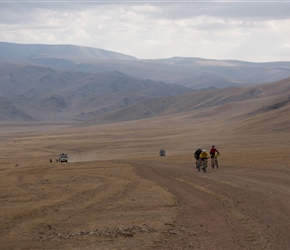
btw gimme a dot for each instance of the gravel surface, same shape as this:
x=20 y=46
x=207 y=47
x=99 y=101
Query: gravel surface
x=226 y=208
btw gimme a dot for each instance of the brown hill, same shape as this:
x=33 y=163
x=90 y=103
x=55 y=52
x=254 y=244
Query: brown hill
x=266 y=103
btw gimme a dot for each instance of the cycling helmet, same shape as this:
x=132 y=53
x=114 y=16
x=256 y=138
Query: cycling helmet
x=204 y=150
x=212 y=146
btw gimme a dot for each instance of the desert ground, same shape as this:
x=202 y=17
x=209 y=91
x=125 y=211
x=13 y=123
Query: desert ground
x=117 y=193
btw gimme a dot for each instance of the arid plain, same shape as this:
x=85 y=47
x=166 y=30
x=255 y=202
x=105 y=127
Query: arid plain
x=117 y=193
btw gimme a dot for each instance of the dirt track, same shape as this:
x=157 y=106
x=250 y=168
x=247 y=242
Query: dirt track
x=229 y=208
x=150 y=203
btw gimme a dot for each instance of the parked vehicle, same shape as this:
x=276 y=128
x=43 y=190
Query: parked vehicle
x=63 y=158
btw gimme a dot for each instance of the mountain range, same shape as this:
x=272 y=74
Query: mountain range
x=57 y=83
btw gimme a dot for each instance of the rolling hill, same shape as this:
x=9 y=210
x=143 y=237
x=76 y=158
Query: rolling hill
x=197 y=73
x=43 y=52
x=264 y=103
x=38 y=93
x=68 y=83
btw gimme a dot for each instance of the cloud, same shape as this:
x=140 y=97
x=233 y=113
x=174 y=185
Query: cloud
x=154 y=29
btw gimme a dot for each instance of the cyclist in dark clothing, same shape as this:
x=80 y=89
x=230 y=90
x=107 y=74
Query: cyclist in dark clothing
x=196 y=156
x=197 y=153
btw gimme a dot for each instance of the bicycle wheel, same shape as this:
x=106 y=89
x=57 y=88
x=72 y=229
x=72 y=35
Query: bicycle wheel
x=204 y=165
x=216 y=163
x=212 y=163
x=198 y=165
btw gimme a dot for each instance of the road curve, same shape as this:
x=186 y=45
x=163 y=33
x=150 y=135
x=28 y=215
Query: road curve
x=228 y=208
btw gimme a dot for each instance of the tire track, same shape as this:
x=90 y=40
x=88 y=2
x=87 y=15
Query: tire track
x=218 y=213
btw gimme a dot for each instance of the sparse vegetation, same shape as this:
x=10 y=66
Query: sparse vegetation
x=116 y=192
x=115 y=183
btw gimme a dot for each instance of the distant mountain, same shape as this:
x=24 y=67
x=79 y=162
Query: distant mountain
x=72 y=83
x=38 y=52
x=39 y=93
x=196 y=73
x=9 y=112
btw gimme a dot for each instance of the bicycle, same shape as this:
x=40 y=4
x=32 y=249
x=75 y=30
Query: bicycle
x=204 y=164
x=214 y=161
x=198 y=164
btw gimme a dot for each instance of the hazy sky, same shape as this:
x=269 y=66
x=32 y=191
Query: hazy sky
x=254 y=31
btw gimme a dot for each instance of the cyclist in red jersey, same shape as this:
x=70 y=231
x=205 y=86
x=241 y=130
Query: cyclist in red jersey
x=212 y=151
x=213 y=154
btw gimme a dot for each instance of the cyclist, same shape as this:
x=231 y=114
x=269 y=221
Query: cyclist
x=203 y=157
x=196 y=156
x=213 y=154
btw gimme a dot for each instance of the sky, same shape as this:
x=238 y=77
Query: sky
x=256 y=31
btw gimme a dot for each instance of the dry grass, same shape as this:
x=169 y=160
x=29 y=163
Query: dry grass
x=43 y=204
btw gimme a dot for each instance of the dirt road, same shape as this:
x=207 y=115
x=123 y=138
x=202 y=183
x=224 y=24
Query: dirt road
x=144 y=203
x=228 y=208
